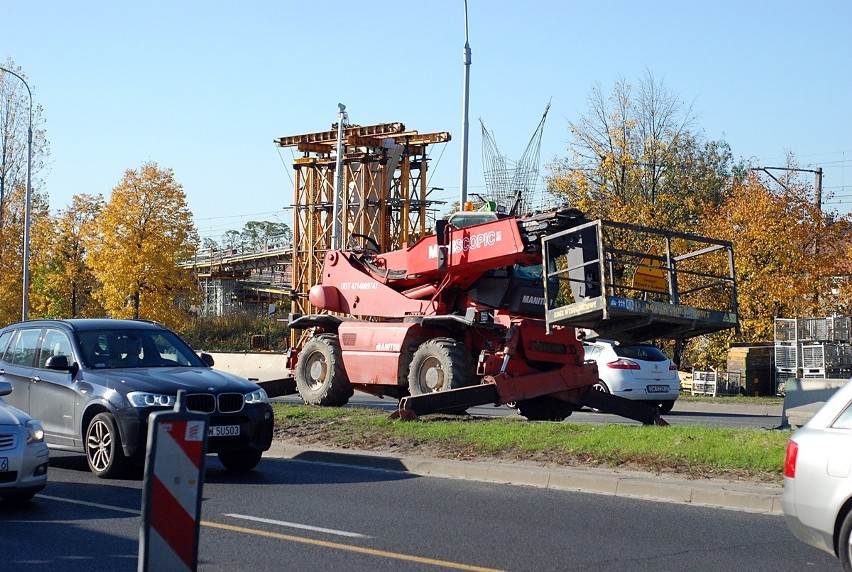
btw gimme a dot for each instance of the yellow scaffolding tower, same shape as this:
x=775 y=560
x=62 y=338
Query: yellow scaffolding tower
x=383 y=203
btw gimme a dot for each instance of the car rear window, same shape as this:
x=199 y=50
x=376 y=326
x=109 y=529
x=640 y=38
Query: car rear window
x=646 y=353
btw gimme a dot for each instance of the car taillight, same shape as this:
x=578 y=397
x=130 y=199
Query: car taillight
x=622 y=363
x=672 y=366
x=790 y=459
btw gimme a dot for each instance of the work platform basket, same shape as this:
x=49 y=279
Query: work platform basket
x=633 y=284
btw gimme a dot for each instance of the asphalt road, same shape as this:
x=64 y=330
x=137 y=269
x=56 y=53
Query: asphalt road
x=317 y=516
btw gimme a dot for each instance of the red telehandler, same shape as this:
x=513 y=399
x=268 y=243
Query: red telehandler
x=492 y=309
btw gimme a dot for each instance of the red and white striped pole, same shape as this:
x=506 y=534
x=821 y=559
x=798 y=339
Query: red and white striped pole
x=171 y=494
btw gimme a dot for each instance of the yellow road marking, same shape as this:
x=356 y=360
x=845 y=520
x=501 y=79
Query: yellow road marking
x=350 y=548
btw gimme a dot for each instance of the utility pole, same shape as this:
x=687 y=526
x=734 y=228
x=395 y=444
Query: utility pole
x=818 y=189
x=342 y=120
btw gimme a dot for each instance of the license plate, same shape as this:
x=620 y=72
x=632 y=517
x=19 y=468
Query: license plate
x=658 y=389
x=4 y=464
x=223 y=431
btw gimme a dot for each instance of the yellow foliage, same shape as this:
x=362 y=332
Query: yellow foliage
x=786 y=255
x=142 y=234
x=62 y=283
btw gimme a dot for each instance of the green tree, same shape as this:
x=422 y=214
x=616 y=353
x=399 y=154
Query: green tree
x=255 y=235
x=258 y=234
x=63 y=284
x=142 y=235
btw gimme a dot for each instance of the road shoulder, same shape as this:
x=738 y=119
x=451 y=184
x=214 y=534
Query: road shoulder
x=709 y=492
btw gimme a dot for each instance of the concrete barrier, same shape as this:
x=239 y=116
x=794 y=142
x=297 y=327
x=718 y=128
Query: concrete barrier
x=267 y=369
x=799 y=393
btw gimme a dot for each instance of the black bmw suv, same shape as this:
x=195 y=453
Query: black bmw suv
x=94 y=382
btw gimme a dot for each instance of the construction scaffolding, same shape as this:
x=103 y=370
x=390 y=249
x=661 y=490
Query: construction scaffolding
x=234 y=282
x=384 y=202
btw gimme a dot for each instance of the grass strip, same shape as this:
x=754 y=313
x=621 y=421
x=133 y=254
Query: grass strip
x=691 y=450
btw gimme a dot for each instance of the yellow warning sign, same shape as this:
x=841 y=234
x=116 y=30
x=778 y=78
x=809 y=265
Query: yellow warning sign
x=650 y=275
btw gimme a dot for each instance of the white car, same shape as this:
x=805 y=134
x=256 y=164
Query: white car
x=817 y=498
x=23 y=453
x=635 y=371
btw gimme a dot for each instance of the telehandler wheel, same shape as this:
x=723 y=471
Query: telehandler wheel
x=438 y=365
x=320 y=377
x=544 y=408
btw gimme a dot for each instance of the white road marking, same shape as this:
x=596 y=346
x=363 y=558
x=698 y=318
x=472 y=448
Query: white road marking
x=297 y=525
x=93 y=504
x=232 y=515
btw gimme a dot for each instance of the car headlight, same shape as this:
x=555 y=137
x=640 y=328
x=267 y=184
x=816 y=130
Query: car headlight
x=143 y=399
x=35 y=432
x=257 y=396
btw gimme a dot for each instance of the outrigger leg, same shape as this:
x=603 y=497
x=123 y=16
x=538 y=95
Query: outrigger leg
x=636 y=410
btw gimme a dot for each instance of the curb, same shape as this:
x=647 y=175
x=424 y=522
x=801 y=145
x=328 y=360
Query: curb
x=717 y=493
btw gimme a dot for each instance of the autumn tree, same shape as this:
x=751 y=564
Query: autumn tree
x=16 y=110
x=634 y=158
x=787 y=255
x=12 y=246
x=142 y=235
x=63 y=286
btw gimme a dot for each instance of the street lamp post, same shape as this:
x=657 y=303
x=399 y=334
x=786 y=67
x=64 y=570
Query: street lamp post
x=465 y=109
x=26 y=279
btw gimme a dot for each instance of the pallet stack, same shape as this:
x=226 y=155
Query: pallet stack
x=816 y=348
x=753 y=366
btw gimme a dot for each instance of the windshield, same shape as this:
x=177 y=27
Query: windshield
x=135 y=348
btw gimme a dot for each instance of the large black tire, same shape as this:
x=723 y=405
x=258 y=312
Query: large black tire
x=544 y=408
x=240 y=461
x=844 y=550
x=438 y=365
x=320 y=376
x=103 y=447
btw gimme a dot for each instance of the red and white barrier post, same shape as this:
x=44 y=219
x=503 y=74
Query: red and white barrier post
x=171 y=494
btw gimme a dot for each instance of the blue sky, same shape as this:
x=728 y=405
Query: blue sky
x=205 y=87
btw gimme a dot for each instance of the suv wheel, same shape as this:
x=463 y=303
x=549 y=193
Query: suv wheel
x=103 y=447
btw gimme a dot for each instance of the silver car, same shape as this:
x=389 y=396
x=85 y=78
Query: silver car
x=817 y=499
x=23 y=453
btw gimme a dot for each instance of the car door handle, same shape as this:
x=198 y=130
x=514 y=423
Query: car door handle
x=35 y=379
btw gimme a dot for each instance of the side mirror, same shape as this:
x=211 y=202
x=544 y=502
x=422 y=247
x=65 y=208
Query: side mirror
x=441 y=236
x=5 y=388
x=441 y=231
x=60 y=363
x=207 y=359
